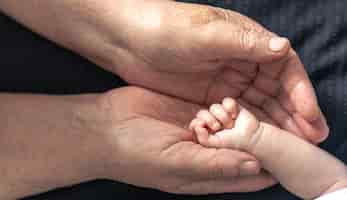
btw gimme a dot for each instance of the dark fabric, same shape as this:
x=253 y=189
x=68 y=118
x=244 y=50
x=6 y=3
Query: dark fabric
x=317 y=29
x=30 y=63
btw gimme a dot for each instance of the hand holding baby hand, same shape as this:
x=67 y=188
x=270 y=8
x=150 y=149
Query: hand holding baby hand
x=150 y=146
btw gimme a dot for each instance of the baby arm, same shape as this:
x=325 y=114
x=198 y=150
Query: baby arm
x=299 y=166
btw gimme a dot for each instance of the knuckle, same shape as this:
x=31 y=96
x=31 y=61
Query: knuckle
x=203 y=15
x=209 y=20
x=200 y=113
x=204 y=116
x=214 y=108
x=248 y=41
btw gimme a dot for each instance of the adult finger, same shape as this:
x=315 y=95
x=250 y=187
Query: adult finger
x=297 y=86
x=240 y=184
x=196 y=162
x=228 y=40
x=225 y=34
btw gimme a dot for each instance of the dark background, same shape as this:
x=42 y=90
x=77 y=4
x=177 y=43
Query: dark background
x=316 y=28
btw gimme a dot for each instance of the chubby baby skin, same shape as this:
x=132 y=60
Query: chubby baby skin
x=299 y=166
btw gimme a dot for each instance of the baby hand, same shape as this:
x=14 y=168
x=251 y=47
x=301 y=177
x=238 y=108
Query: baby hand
x=226 y=125
x=299 y=166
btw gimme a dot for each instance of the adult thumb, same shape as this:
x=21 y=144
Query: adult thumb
x=238 y=37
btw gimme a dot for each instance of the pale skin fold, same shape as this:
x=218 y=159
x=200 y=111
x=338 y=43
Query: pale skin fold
x=299 y=166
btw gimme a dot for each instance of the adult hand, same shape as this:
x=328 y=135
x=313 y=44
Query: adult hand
x=202 y=54
x=195 y=52
x=148 y=144
x=129 y=135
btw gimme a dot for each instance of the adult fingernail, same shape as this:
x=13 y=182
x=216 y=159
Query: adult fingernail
x=321 y=124
x=278 y=43
x=249 y=168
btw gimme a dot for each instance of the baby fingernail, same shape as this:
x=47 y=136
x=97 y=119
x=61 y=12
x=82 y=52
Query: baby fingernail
x=249 y=168
x=216 y=126
x=278 y=44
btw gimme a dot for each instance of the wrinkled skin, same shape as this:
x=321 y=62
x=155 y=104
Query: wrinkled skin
x=202 y=54
x=195 y=53
x=198 y=54
x=149 y=145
